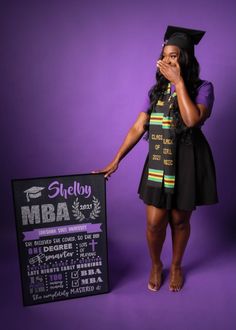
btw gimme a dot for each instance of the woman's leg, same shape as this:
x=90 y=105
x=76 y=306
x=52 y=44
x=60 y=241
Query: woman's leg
x=156 y=233
x=180 y=231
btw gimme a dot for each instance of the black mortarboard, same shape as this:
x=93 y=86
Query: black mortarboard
x=182 y=37
x=33 y=192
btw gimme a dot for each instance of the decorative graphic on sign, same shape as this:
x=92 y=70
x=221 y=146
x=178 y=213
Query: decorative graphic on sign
x=79 y=215
x=76 y=211
x=61 y=233
x=96 y=209
x=33 y=192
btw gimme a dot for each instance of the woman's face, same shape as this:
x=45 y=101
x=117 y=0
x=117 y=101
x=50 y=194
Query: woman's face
x=170 y=54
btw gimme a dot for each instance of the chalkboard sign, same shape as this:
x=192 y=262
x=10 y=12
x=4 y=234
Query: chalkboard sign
x=62 y=237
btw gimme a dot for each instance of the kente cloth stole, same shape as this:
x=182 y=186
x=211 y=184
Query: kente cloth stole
x=162 y=146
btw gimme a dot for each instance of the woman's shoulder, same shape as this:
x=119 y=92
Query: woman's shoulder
x=205 y=93
x=205 y=85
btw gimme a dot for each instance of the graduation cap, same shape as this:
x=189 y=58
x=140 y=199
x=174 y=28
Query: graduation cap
x=182 y=37
x=33 y=192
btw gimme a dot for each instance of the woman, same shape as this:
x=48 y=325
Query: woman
x=179 y=171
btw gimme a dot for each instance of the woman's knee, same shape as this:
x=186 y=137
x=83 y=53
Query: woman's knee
x=180 y=219
x=156 y=218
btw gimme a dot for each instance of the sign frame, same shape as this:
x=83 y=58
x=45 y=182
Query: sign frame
x=32 y=217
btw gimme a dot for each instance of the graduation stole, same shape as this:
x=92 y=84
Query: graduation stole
x=162 y=146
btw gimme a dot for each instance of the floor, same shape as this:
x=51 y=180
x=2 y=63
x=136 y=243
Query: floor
x=206 y=301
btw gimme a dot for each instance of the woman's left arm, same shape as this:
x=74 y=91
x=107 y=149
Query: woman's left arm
x=191 y=113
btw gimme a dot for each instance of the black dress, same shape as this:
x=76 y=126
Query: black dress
x=195 y=177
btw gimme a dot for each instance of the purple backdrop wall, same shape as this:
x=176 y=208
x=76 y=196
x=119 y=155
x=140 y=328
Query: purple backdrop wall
x=75 y=75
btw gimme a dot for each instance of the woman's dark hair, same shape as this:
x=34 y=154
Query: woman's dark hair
x=190 y=72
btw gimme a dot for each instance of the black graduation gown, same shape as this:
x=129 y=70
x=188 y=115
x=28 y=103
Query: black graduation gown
x=195 y=177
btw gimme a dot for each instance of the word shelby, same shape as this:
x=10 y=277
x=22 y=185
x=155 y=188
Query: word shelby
x=76 y=189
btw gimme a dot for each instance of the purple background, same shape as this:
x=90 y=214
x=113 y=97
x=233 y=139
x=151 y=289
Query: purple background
x=74 y=77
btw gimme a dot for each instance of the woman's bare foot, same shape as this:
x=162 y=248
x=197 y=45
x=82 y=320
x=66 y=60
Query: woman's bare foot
x=176 y=278
x=155 y=279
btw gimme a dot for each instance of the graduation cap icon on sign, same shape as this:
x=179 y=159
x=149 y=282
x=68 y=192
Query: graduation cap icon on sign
x=33 y=192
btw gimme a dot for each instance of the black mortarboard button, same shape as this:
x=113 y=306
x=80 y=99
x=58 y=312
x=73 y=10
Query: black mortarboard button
x=182 y=37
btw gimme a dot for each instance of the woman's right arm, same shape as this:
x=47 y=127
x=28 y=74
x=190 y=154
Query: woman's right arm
x=133 y=136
